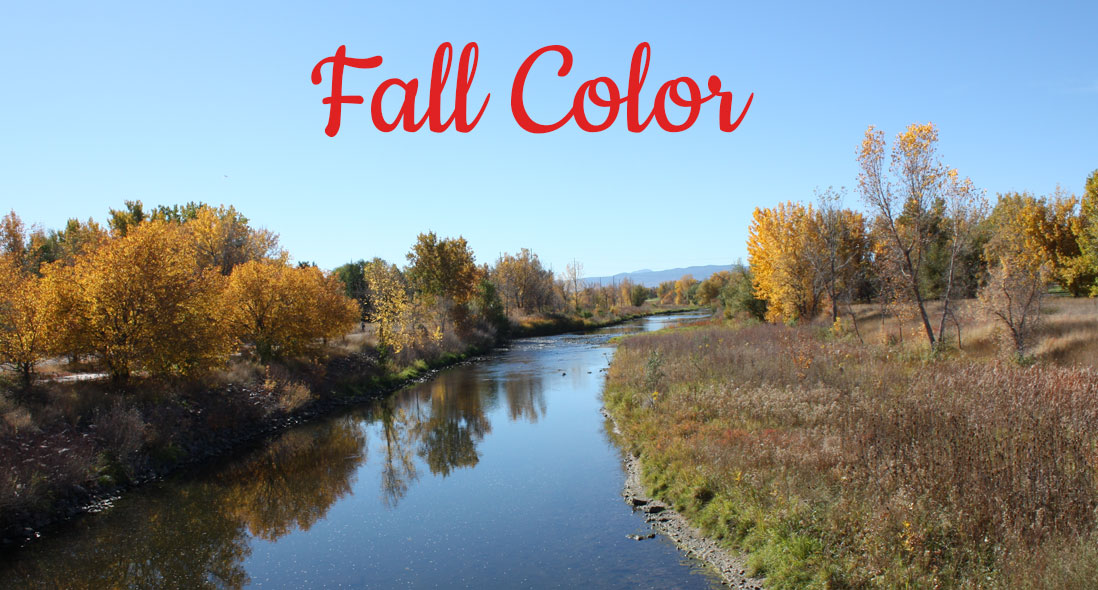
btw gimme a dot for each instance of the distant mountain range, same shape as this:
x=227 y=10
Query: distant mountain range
x=652 y=278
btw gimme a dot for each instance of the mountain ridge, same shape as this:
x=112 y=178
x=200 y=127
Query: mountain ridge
x=652 y=278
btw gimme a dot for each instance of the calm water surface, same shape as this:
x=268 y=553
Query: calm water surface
x=498 y=474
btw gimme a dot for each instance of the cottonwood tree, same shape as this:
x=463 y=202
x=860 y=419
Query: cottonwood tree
x=283 y=310
x=224 y=239
x=666 y=292
x=573 y=273
x=390 y=306
x=904 y=197
x=778 y=243
x=142 y=302
x=1021 y=267
x=684 y=288
x=1087 y=230
x=25 y=333
x=965 y=209
x=523 y=283
x=835 y=247
x=444 y=273
x=1064 y=231
x=710 y=289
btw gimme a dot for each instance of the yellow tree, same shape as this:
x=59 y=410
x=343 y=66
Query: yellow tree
x=1086 y=228
x=1064 y=233
x=390 y=308
x=13 y=239
x=523 y=283
x=777 y=247
x=1021 y=267
x=283 y=310
x=1054 y=225
x=144 y=303
x=444 y=273
x=64 y=311
x=25 y=335
x=682 y=289
x=710 y=289
x=666 y=292
x=904 y=196
x=224 y=239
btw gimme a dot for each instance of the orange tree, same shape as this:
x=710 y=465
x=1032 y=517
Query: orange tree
x=283 y=310
x=142 y=302
x=25 y=335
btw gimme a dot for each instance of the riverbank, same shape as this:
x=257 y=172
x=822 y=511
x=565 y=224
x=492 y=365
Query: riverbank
x=205 y=423
x=95 y=441
x=831 y=463
x=548 y=325
x=665 y=520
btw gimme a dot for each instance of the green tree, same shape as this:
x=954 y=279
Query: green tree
x=352 y=275
x=122 y=220
x=444 y=272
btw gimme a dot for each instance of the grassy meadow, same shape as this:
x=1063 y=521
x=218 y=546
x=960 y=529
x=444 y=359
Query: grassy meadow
x=843 y=457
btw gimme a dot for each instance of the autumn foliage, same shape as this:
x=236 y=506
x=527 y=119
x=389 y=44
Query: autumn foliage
x=169 y=293
x=282 y=310
x=928 y=236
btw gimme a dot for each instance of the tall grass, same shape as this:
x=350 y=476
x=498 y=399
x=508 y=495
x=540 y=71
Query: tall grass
x=843 y=465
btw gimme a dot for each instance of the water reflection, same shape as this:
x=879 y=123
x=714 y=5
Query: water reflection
x=197 y=534
x=525 y=394
x=200 y=530
x=398 y=469
x=295 y=480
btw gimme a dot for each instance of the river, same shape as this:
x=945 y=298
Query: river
x=496 y=474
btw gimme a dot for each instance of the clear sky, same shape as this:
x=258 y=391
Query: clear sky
x=171 y=102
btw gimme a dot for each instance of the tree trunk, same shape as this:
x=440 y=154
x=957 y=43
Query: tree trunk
x=919 y=298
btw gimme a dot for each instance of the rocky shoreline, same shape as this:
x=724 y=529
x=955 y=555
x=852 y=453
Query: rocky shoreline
x=664 y=520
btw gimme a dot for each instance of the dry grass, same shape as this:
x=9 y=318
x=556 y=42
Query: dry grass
x=1068 y=333
x=839 y=464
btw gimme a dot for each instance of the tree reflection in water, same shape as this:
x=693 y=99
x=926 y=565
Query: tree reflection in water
x=525 y=395
x=295 y=480
x=196 y=531
x=398 y=468
x=195 y=534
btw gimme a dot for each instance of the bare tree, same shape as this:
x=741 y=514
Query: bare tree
x=838 y=247
x=904 y=205
x=965 y=207
x=573 y=272
x=1014 y=295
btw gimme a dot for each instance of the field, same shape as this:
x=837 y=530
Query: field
x=843 y=458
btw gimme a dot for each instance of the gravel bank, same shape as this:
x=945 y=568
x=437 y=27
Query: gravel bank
x=666 y=521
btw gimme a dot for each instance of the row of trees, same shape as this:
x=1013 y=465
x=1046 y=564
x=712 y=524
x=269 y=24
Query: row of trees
x=177 y=290
x=172 y=292
x=442 y=290
x=930 y=235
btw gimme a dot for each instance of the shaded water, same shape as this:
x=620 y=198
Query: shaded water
x=498 y=474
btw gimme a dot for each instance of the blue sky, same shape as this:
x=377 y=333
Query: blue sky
x=103 y=102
